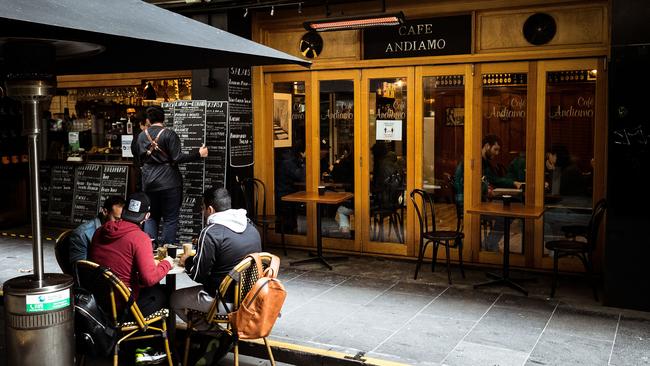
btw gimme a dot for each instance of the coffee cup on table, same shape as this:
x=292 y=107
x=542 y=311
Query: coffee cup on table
x=171 y=250
x=506 y=198
x=187 y=249
x=321 y=190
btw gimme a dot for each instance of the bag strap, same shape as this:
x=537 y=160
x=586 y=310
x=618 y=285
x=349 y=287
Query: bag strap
x=154 y=143
x=258 y=262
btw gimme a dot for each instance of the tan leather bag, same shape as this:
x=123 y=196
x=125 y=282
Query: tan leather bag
x=262 y=305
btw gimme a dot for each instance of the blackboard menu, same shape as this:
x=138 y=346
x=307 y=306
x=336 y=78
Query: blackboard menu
x=71 y=194
x=216 y=132
x=115 y=179
x=44 y=176
x=189 y=124
x=86 y=192
x=61 y=194
x=168 y=109
x=240 y=117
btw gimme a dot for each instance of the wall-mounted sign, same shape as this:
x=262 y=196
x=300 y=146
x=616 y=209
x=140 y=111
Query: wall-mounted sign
x=450 y=35
x=389 y=130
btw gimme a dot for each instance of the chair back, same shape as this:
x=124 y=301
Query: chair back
x=594 y=223
x=62 y=252
x=110 y=292
x=254 y=193
x=425 y=212
x=239 y=281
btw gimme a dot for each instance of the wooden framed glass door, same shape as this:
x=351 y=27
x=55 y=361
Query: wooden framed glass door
x=336 y=99
x=442 y=118
x=387 y=160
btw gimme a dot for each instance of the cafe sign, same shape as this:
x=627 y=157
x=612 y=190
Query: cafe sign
x=450 y=35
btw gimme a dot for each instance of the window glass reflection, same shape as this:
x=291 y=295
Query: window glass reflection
x=289 y=146
x=503 y=154
x=387 y=141
x=337 y=154
x=568 y=162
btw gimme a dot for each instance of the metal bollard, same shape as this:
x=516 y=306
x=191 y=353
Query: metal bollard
x=39 y=320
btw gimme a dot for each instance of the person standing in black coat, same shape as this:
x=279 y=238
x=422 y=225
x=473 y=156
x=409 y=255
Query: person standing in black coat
x=158 y=150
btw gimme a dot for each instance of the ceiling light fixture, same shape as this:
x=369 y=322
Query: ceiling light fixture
x=355 y=22
x=246 y=13
x=272 y=10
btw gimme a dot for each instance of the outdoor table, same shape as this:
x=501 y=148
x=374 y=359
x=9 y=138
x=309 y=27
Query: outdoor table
x=170 y=286
x=514 y=210
x=328 y=198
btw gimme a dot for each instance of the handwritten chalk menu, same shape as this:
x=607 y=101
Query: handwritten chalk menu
x=44 y=178
x=61 y=194
x=71 y=194
x=240 y=117
x=86 y=192
x=115 y=179
x=189 y=124
x=168 y=109
x=216 y=132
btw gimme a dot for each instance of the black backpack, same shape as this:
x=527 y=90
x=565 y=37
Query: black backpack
x=94 y=331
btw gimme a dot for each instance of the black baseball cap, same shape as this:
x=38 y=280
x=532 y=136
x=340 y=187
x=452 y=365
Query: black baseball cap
x=136 y=208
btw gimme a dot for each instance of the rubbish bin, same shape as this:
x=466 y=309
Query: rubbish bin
x=39 y=320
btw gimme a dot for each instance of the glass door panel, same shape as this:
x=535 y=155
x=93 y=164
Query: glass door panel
x=503 y=154
x=569 y=148
x=387 y=131
x=289 y=137
x=443 y=142
x=336 y=117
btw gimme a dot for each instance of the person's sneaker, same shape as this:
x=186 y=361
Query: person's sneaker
x=146 y=356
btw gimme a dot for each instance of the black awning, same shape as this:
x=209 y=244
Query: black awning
x=131 y=35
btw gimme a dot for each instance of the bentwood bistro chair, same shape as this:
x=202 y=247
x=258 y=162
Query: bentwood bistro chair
x=238 y=282
x=62 y=251
x=581 y=249
x=254 y=192
x=429 y=234
x=111 y=291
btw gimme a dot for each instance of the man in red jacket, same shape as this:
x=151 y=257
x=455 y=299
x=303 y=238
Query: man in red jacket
x=123 y=247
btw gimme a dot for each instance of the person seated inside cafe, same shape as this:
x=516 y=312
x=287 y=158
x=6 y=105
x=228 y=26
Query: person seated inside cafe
x=227 y=238
x=81 y=237
x=123 y=247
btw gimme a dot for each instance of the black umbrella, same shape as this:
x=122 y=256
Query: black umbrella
x=42 y=38
x=128 y=35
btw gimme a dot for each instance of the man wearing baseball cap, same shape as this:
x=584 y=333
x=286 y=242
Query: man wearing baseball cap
x=124 y=248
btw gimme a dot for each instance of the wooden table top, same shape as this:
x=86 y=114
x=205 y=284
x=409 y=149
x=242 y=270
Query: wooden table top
x=514 y=210
x=329 y=198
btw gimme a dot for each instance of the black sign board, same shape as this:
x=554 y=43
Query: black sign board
x=61 y=194
x=189 y=124
x=86 y=192
x=45 y=175
x=216 y=133
x=451 y=35
x=115 y=179
x=240 y=117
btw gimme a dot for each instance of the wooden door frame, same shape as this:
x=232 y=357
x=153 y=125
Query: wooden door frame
x=355 y=77
x=408 y=248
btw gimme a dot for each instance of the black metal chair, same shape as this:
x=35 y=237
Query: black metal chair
x=388 y=203
x=581 y=249
x=254 y=193
x=429 y=234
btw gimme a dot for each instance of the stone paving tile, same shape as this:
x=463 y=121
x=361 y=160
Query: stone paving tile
x=426 y=338
x=359 y=336
x=472 y=354
x=400 y=359
x=329 y=278
x=417 y=289
x=510 y=328
x=314 y=318
x=545 y=306
x=385 y=317
x=299 y=292
x=556 y=348
x=401 y=300
x=632 y=345
x=582 y=323
x=357 y=290
x=461 y=304
x=287 y=274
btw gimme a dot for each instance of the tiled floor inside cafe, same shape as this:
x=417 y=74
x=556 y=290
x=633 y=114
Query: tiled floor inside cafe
x=373 y=309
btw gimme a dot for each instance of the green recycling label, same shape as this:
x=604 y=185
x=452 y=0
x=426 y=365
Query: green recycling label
x=47 y=302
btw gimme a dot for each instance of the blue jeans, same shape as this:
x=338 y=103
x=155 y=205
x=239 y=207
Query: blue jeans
x=165 y=205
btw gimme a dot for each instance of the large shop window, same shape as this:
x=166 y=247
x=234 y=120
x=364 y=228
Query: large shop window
x=387 y=142
x=443 y=144
x=337 y=154
x=503 y=153
x=289 y=146
x=569 y=159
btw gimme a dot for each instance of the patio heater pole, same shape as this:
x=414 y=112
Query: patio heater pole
x=39 y=316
